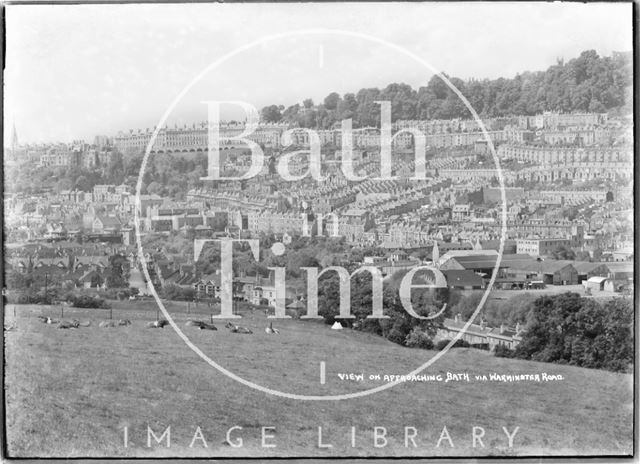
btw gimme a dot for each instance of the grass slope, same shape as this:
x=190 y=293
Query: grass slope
x=71 y=393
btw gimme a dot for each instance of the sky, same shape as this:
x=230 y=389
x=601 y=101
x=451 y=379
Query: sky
x=76 y=71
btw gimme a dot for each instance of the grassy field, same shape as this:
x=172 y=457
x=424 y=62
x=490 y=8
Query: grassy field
x=72 y=392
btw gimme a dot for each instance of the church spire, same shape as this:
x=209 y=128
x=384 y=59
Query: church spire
x=14 y=138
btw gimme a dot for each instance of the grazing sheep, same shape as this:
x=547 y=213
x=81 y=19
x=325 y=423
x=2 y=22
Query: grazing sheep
x=121 y=322
x=74 y=324
x=238 y=329
x=157 y=324
x=207 y=326
x=271 y=330
x=201 y=325
x=68 y=325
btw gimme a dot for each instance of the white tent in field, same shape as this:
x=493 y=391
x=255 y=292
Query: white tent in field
x=336 y=326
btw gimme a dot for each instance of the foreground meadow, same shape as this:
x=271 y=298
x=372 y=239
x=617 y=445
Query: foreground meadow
x=72 y=393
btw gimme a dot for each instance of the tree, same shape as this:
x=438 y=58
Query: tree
x=117 y=273
x=466 y=306
x=209 y=260
x=271 y=113
x=331 y=101
x=290 y=115
x=329 y=297
x=298 y=259
x=368 y=113
x=403 y=101
x=425 y=302
x=616 y=341
x=347 y=107
x=82 y=183
x=547 y=326
x=417 y=338
x=583 y=256
x=155 y=188
x=115 y=167
x=96 y=280
x=17 y=281
x=174 y=292
x=63 y=184
x=309 y=119
x=562 y=252
x=586 y=83
x=568 y=328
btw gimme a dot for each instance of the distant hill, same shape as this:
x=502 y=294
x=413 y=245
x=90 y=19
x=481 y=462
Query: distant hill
x=588 y=83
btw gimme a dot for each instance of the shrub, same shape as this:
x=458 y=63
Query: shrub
x=118 y=293
x=23 y=299
x=441 y=344
x=177 y=293
x=29 y=297
x=396 y=335
x=502 y=351
x=399 y=330
x=17 y=298
x=417 y=338
x=292 y=312
x=86 y=301
x=375 y=326
x=458 y=344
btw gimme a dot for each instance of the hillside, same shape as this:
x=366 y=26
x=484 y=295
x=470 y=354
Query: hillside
x=77 y=389
x=588 y=83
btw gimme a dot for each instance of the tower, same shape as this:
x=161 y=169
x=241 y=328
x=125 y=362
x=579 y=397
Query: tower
x=14 y=138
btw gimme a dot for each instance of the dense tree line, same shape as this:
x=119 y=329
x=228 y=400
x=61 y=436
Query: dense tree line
x=165 y=175
x=586 y=83
x=400 y=327
x=565 y=328
x=570 y=329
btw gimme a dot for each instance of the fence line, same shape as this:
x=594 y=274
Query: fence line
x=120 y=313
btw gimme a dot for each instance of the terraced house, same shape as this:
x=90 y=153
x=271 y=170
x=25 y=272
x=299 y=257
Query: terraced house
x=481 y=335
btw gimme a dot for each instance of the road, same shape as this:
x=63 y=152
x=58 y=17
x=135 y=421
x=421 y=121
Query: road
x=136 y=280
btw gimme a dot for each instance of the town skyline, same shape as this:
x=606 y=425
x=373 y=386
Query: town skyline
x=233 y=117
x=119 y=84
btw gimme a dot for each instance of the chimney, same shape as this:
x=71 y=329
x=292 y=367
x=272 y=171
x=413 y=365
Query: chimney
x=458 y=317
x=502 y=328
x=483 y=324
